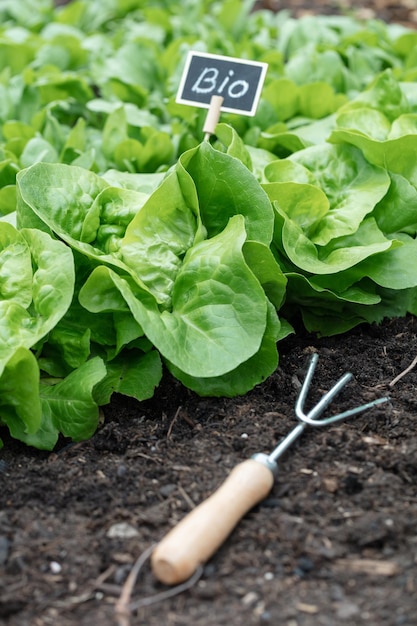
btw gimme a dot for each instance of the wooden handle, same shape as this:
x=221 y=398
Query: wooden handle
x=195 y=539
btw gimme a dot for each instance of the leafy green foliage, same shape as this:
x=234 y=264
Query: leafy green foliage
x=128 y=245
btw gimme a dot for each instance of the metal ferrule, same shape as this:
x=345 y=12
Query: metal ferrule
x=266 y=460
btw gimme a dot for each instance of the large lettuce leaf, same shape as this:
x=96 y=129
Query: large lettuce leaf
x=36 y=287
x=218 y=314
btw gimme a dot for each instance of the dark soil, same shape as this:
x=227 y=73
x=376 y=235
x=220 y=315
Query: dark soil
x=334 y=543
x=398 y=11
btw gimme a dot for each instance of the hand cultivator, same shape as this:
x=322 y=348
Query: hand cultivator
x=196 y=538
x=179 y=557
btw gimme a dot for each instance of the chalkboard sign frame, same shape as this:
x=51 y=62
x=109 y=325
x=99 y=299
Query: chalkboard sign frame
x=230 y=77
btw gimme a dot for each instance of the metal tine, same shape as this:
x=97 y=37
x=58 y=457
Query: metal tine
x=325 y=400
x=311 y=417
x=287 y=442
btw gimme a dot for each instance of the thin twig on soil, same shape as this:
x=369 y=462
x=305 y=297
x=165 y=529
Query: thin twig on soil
x=124 y=607
x=174 y=419
x=403 y=373
x=88 y=595
x=369 y=566
x=186 y=497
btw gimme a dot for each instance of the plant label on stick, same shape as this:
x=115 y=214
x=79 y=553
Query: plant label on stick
x=221 y=83
x=238 y=82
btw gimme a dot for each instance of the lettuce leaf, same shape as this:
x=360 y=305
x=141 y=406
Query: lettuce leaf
x=36 y=287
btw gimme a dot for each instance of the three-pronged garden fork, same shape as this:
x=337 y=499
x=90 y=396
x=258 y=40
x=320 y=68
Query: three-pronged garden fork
x=196 y=538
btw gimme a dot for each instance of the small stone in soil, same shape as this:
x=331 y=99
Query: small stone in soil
x=122 y=531
x=167 y=490
x=304 y=566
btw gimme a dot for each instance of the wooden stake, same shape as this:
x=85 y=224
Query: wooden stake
x=213 y=116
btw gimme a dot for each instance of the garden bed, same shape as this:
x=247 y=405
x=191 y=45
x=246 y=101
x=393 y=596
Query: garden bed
x=335 y=542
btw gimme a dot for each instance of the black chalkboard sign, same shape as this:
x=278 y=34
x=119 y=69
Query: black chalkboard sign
x=238 y=81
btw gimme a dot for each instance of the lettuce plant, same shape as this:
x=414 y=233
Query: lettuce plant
x=191 y=262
